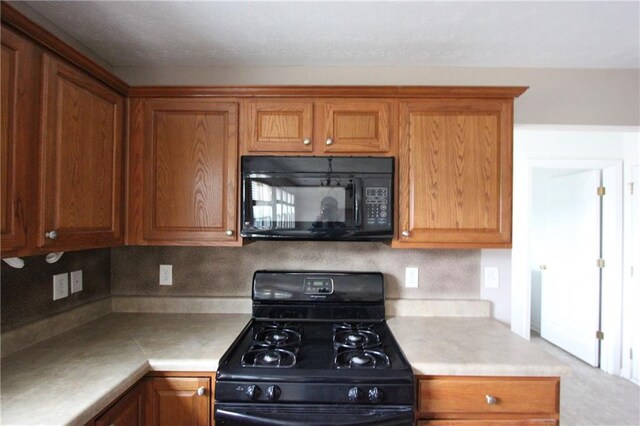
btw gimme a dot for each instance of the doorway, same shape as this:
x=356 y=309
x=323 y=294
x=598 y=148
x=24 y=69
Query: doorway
x=566 y=244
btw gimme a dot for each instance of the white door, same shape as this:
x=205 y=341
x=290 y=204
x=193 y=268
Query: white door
x=634 y=323
x=570 y=294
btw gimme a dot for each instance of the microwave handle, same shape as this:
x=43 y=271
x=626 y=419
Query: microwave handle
x=359 y=188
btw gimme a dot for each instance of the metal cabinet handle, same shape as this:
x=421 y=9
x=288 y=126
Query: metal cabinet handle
x=229 y=232
x=306 y=141
x=329 y=141
x=543 y=267
x=491 y=400
x=52 y=234
x=200 y=390
x=405 y=233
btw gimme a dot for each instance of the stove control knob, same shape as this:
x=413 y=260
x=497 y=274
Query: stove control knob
x=375 y=395
x=354 y=394
x=252 y=392
x=273 y=393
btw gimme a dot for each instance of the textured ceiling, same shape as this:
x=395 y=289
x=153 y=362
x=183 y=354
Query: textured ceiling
x=465 y=34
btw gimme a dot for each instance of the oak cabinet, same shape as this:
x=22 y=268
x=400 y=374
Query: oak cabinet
x=176 y=401
x=455 y=171
x=460 y=400
x=318 y=126
x=18 y=137
x=127 y=411
x=183 y=172
x=81 y=164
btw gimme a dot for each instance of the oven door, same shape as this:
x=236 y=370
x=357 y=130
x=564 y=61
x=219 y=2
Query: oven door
x=311 y=206
x=311 y=415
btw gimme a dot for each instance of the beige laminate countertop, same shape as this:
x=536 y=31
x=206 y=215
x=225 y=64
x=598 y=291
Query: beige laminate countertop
x=70 y=378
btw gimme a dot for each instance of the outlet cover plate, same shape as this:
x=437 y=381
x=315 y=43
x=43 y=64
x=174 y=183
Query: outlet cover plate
x=166 y=274
x=76 y=281
x=411 y=277
x=60 y=286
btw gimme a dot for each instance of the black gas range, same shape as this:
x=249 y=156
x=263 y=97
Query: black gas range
x=317 y=351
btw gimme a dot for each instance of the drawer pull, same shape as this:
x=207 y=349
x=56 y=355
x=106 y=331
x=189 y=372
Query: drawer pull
x=307 y=142
x=491 y=400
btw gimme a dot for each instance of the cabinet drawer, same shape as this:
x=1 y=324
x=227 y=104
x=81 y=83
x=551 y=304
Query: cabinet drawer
x=469 y=395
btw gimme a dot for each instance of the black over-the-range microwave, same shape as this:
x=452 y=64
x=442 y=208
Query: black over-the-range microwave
x=317 y=198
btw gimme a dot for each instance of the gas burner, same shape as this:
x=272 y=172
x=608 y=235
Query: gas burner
x=361 y=358
x=354 y=336
x=278 y=335
x=269 y=357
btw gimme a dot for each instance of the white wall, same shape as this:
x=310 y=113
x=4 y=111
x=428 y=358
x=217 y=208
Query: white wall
x=501 y=296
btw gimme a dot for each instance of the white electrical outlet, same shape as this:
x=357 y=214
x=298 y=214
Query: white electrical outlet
x=166 y=274
x=76 y=281
x=491 y=277
x=60 y=286
x=411 y=278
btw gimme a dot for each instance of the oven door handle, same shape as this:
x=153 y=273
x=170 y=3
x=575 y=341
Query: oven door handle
x=357 y=199
x=312 y=415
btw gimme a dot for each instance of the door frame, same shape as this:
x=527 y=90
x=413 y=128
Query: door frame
x=592 y=144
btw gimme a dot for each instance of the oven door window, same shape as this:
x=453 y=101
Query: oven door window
x=305 y=203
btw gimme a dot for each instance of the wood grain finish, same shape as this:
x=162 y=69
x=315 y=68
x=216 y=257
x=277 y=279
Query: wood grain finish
x=127 y=411
x=183 y=157
x=279 y=126
x=520 y=399
x=356 y=126
x=455 y=173
x=174 y=401
x=81 y=186
x=37 y=33
x=16 y=138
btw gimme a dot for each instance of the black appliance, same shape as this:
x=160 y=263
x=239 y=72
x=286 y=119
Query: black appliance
x=317 y=198
x=317 y=351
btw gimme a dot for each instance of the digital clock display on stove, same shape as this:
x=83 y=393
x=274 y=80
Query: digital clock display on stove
x=318 y=285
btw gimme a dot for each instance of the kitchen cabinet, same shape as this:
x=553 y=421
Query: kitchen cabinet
x=18 y=137
x=81 y=164
x=183 y=172
x=318 y=126
x=175 y=401
x=455 y=171
x=127 y=411
x=461 y=400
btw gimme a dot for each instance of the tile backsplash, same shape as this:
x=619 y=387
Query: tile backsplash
x=223 y=271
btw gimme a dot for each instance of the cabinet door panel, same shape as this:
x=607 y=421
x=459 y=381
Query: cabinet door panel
x=81 y=187
x=357 y=126
x=279 y=126
x=190 y=156
x=128 y=411
x=455 y=177
x=174 y=401
x=17 y=138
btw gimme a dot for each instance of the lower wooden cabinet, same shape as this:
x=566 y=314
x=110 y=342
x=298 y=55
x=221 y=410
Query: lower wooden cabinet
x=448 y=400
x=164 y=399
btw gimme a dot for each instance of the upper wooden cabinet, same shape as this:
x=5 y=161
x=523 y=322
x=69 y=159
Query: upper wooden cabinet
x=81 y=164
x=183 y=172
x=455 y=173
x=318 y=126
x=18 y=94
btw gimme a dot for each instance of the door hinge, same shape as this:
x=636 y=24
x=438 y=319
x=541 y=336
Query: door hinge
x=630 y=353
x=599 y=335
x=600 y=263
x=601 y=191
x=631 y=185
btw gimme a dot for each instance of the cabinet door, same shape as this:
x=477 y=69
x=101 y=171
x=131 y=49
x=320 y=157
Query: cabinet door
x=18 y=136
x=455 y=173
x=357 y=126
x=279 y=126
x=128 y=411
x=189 y=167
x=81 y=161
x=177 y=401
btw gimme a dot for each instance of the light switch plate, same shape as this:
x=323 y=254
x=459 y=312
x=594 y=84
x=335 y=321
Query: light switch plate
x=60 y=286
x=491 y=277
x=76 y=281
x=411 y=277
x=166 y=274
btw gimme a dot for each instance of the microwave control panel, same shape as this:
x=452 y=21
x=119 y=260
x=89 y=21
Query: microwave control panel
x=378 y=207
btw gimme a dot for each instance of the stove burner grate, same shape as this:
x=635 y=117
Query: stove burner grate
x=268 y=357
x=361 y=358
x=354 y=336
x=278 y=335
